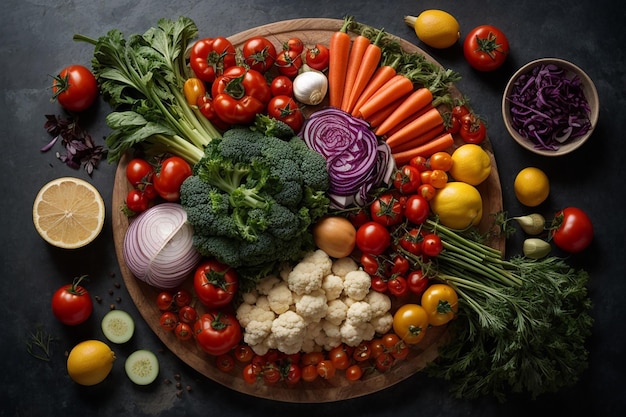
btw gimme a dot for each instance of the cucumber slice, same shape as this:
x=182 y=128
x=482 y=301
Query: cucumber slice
x=118 y=326
x=142 y=367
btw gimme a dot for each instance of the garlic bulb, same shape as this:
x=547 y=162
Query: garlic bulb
x=533 y=224
x=536 y=248
x=310 y=87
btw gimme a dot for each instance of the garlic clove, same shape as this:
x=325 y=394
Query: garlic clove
x=536 y=248
x=533 y=224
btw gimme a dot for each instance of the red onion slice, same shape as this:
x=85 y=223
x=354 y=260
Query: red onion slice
x=158 y=246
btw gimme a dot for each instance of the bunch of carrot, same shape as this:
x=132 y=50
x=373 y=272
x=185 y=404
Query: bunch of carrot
x=387 y=100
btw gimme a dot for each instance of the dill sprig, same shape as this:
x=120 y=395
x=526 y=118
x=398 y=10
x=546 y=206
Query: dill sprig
x=38 y=344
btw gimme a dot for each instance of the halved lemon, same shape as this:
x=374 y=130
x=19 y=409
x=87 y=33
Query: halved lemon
x=68 y=212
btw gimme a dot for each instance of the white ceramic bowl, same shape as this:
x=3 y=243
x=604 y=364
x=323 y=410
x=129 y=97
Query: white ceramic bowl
x=589 y=91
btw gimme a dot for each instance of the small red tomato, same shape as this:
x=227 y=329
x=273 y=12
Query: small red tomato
x=187 y=314
x=281 y=86
x=407 y=179
x=75 y=88
x=168 y=321
x=373 y=238
x=416 y=209
x=485 y=48
x=386 y=210
x=572 y=230
x=473 y=129
x=432 y=245
x=215 y=283
x=317 y=57
x=136 y=201
x=398 y=286
x=417 y=281
x=169 y=177
x=164 y=300
x=72 y=304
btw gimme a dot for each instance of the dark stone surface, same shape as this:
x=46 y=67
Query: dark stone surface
x=37 y=41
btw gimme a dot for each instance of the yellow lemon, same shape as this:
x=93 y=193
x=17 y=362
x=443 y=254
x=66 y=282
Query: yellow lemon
x=436 y=28
x=531 y=186
x=68 y=212
x=458 y=205
x=90 y=362
x=470 y=164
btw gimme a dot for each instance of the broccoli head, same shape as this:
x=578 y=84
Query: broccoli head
x=252 y=199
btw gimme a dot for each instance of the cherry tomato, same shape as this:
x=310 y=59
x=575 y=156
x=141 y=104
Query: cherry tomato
x=183 y=331
x=386 y=210
x=294 y=44
x=215 y=283
x=75 y=88
x=417 y=281
x=164 y=300
x=411 y=241
x=139 y=171
x=383 y=362
x=339 y=357
x=359 y=218
x=209 y=57
x=271 y=374
x=400 y=265
x=410 y=322
x=416 y=209
x=473 y=129
x=362 y=352
x=207 y=109
x=289 y=63
x=460 y=110
x=407 y=179
x=427 y=191
x=168 y=321
x=379 y=284
x=281 y=86
x=440 y=160
x=182 y=298
x=396 y=346
x=169 y=177
x=441 y=304
x=431 y=245
x=136 y=201
x=225 y=362
x=485 y=48
x=419 y=162
x=309 y=373
x=326 y=369
x=187 y=314
x=370 y=263
x=398 y=286
x=373 y=238
x=193 y=88
x=251 y=373
x=259 y=54
x=217 y=332
x=451 y=123
x=312 y=358
x=377 y=347
x=438 y=178
x=243 y=353
x=354 y=372
x=572 y=230
x=72 y=304
x=317 y=57
x=285 y=109
x=292 y=374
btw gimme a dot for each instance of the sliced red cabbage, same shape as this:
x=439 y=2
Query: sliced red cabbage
x=356 y=160
x=548 y=107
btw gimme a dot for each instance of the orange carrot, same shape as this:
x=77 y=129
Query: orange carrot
x=440 y=143
x=387 y=94
x=419 y=99
x=339 y=47
x=380 y=77
x=355 y=60
x=369 y=65
x=419 y=140
x=408 y=120
x=432 y=118
x=377 y=118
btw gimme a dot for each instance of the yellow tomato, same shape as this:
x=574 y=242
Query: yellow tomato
x=335 y=235
x=441 y=304
x=410 y=323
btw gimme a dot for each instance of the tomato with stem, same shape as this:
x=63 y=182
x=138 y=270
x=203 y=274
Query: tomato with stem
x=387 y=210
x=217 y=332
x=373 y=238
x=75 y=88
x=416 y=209
x=571 y=230
x=170 y=176
x=285 y=109
x=486 y=48
x=215 y=283
x=168 y=321
x=441 y=303
x=410 y=323
x=225 y=362
x=259 y=53
x=72 y=304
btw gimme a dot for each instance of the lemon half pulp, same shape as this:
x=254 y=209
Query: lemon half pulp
x=68 y=212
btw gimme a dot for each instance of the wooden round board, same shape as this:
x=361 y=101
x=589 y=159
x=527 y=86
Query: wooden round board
x=311 y=31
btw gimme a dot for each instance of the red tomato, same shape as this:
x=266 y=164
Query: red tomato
x=182 y=298
x=225 y=362
x=251 y=373
x=271 y=374
x=407 y=179
x=75 y=88
x=373 y=238
x=326 y=369
x=168 y=321
x=136 y=201
x=485 y=48
x=139 y=171
x=288 y=63
x=386 y=210
x=217 y=332
x=187 y=314
x=243 y=353
x=215 y=284
x=183 y=331
x=209 y=57
x=294 y=44
x=285 y=109
x=207 y=109
x=239 y=94
x=459 y=111
x=572 y=230
x=164 y=300
x=259 y=53
x=169 y=177
x=398 y=286
x=282 y=86
x=431 y=245
x=400 y=265
x=427 y=191
x=416 y=209
x=378 y=284
x=383 y=362
x=420 y=162
x=411 y=241
x=473 y=129
x=370 y=263
x=317 y=57
x=417 y=281
x=359 y=218
x=354 y=372
x=293 y=374
x=72 y=304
